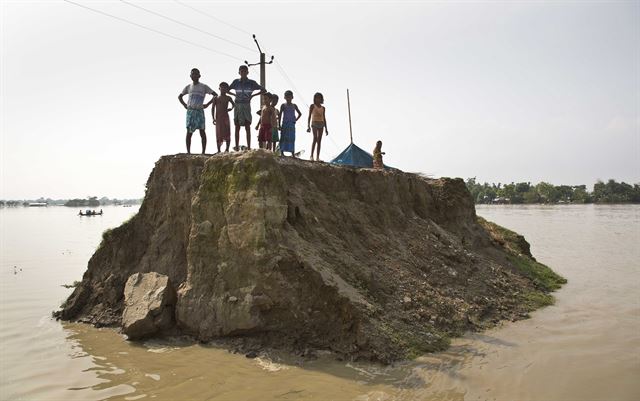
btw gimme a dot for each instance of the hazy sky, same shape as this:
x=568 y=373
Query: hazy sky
x=503 y=91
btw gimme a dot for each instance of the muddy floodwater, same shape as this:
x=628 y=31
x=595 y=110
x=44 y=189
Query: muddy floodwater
x=585 y=347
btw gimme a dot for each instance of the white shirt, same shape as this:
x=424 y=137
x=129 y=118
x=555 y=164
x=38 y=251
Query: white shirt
x=197 y=93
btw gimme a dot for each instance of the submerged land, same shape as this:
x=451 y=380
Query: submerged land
x=259 y=251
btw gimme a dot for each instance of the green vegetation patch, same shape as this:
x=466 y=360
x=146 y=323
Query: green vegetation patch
x=542 y=276
x=537 y=299
x=512 y=241
x=519 y=255
x=110 y=233
x=258 y=172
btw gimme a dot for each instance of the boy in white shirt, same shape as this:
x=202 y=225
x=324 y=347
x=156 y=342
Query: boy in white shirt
x=195 y=107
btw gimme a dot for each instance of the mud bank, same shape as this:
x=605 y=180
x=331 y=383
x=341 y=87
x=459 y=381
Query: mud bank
x=274 y=252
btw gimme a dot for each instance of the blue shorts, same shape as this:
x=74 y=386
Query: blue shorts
x=195 y=119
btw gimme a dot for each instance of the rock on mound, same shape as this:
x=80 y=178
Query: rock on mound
x=291 y=254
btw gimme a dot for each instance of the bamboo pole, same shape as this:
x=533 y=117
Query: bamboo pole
x=349 y=106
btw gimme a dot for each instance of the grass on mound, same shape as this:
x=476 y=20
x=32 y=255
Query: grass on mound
x=541 y=275
x=537 y=299
x=543 y=278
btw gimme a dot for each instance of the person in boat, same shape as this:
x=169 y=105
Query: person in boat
x=195 y=106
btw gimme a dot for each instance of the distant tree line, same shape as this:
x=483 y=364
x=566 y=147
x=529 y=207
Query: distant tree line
x=89 y=201
x=543 y=192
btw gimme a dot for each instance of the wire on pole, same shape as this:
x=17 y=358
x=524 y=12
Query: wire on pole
x=185 y=25
x=212 y=17
x=153 y=30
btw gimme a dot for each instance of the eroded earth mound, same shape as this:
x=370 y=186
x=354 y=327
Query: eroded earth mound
x=283 y=253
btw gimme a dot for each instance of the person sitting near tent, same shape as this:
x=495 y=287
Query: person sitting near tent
x=220 y=115
x=195 y=107
x=264 y=126
x=318 y=122
x=287 y=123
x=377 y=156
x=244 y=88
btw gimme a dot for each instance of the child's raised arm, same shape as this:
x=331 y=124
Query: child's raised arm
x=262 y=91
x=180 y=98
x=213 y=113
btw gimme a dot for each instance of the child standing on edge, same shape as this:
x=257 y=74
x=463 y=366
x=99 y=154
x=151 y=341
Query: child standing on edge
x=244 y=88
x=195 y=107
x=288 y=121
x=264 y=124
x=377 y=156
x=318 y=122
x=275 y=126
x=220 y=115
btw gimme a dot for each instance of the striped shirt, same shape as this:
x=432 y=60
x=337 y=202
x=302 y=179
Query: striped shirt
x=244 y=89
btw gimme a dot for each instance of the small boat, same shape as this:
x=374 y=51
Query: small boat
x=38 y=204
x=90 y=213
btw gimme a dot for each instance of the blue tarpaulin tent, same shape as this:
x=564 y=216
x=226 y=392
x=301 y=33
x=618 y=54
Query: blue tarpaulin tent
x=354 y=156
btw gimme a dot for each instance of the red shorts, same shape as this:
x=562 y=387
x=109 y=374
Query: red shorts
x=264 y=134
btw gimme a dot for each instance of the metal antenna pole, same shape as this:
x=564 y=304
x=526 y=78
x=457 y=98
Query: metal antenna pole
x=262 y=64
x=349 y=106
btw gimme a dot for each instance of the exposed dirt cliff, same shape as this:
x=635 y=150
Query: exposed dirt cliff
x=277 y=252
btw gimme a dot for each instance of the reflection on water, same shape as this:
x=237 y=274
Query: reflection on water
x=586 y=347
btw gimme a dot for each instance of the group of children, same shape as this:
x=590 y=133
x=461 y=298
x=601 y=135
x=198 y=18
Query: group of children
x=276 y=128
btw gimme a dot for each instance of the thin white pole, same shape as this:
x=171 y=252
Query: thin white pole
x=349 y=106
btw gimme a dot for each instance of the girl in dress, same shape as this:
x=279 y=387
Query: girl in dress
x=317 y=122
x=287 y=123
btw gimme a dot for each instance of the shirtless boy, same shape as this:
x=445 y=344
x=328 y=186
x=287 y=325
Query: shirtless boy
x=220 y=115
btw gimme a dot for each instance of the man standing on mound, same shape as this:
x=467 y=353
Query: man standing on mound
x=195 y=107
x=244 y=88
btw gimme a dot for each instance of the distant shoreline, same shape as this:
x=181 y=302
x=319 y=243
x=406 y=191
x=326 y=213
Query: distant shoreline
x=559 y=204
x=543 y=193
x=75 y=203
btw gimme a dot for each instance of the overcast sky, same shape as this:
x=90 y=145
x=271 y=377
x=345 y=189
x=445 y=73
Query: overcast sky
x=503 y=91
